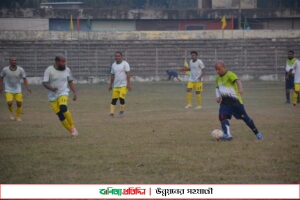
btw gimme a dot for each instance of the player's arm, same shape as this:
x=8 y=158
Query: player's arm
x=218 y=95
x=72 y=88
x=202 y=74
x=128 y=81
x=202 y=67
x=112 y=79
x=49 y=87
x=240 y=86
x=26 y=85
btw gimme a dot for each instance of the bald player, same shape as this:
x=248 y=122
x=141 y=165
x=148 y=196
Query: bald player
x=58 y=80
x=12 y=76
x=229 y=91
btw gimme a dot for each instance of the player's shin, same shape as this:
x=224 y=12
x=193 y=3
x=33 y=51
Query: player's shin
x=251 y=125
x=226 y=127
x=112 y=109
x=63 y=120
x=19 y=111
x=189 y=98
x=10 y=108
x=69 y=118
x=199 y=99
x=295 y=97
x=122 y=105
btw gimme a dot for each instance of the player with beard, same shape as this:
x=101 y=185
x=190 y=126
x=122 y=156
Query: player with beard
x=58 y=80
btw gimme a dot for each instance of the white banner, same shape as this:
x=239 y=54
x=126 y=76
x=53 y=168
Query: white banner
x=9 y=191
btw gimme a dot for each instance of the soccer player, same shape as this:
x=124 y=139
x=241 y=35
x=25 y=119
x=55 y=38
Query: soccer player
x=289 y=75
x=172 y=75
x=119 y=83
x=229 y=90
x=195 y=80
x=58 y=80
x=296 y=93
x=12 y=76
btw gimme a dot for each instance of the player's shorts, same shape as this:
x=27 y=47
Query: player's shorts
x=237 y=110
x=55 y=105
x=297 y=87
x=11 y=96
x=119 y=92
x=289 y=84
x=197 y=86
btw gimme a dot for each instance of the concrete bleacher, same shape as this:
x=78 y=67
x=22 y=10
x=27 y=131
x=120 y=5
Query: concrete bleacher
x=90 y=59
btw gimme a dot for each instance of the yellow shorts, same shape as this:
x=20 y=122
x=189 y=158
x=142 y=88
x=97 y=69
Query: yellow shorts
x=197 y=86
x=62 y=100
x=297 y=87
x=119 y=92
x=10 y=97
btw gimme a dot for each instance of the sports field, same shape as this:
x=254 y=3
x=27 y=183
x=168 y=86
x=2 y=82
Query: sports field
x=158 y=141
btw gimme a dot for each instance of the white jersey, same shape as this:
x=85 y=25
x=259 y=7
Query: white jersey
x=297 y=71
x=196 y=70
x=119 y=71
x=12 y=79
x=290 y=65
x=57 y=79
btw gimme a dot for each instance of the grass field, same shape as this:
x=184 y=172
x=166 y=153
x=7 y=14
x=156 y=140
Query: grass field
x=158 y=141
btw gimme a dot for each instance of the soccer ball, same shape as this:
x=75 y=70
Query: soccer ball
x=217 y=133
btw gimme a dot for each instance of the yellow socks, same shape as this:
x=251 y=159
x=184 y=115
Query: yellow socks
x=122 y=108
x=199 y=99
x=11 y=109
x=19 y=112
x=112 y=109
x=295 y=97
x=189 y=98
x=69 y=119
x=66 y=124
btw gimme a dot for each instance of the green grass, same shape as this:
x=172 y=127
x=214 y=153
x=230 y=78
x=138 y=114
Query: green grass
x=157 y=142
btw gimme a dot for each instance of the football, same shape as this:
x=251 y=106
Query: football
x=217 y=133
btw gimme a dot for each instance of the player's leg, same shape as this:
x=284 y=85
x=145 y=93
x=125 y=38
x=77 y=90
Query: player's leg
x=63 y=105
x=240 y=113
x=123 y=92
x=19 y=100
x=115 y=96
x=287 y=90
x=224 y=117
x=9 y=100
x=177 y=78
x=56 y=109
x=296 y=94
x=189 y=94
x=60 y=108
x=198 y=89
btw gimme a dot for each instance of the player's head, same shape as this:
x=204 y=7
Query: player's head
x=60 y=62
x=291 y=54
x=194 y=55
x=13 y=61
x=118 y=56
x=220 y=68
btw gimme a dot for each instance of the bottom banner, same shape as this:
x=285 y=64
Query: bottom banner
x=8 y=191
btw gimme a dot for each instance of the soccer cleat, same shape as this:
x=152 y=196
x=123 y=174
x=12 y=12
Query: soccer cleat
x=111 y=115
x=259 y=136
x=74 y=132
x=198 y=107
x=226 y=137
x=188 y=106
x=121 y=114
x=19 y=119
x=11 y=117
